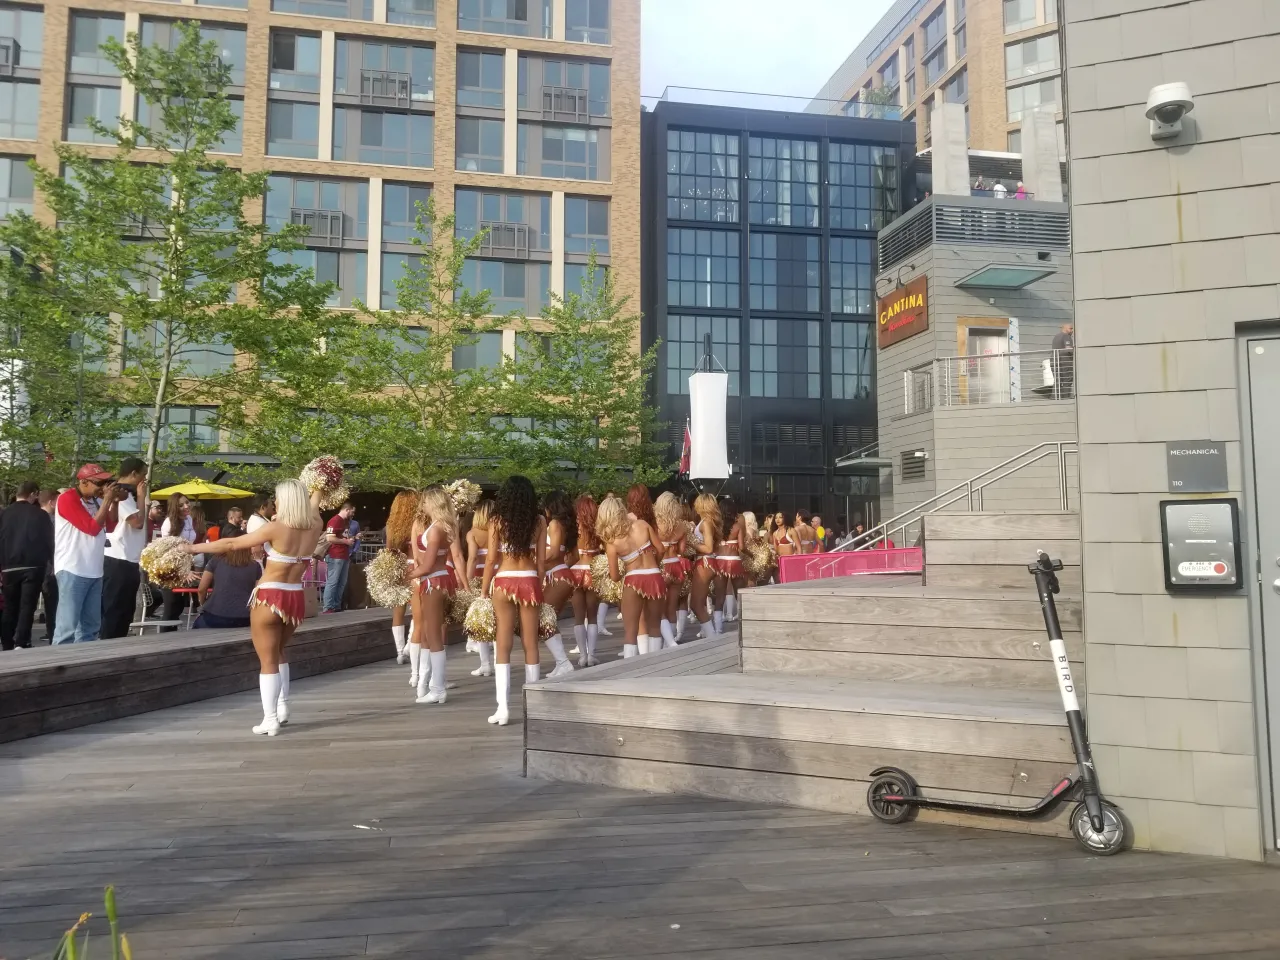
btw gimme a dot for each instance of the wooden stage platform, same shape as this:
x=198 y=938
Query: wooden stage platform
x=46 y=689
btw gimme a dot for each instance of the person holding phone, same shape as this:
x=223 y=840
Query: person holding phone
x=79 y=543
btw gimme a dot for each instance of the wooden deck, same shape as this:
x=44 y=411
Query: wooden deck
x=375 y=827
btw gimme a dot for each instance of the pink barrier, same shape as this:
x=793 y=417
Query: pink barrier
x=849 y=563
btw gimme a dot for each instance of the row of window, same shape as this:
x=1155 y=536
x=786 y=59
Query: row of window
x=783 y=271
x=784 y=356
x=783 y=181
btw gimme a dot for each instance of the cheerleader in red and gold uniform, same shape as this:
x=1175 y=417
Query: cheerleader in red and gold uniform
x=634 y=550
x=561 y=555
x=728 y=564
x=676 y=568
x=399 y=531
x=437 y=550
x=585 y=600
x=477 y=551
x=706 y=542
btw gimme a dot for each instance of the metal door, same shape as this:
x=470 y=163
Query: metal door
x=989 y=370
x=1264 y=403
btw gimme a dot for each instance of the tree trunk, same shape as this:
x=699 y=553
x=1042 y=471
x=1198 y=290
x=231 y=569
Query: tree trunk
x=158 y=407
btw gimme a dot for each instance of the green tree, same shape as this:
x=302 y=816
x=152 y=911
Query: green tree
x=156 y=238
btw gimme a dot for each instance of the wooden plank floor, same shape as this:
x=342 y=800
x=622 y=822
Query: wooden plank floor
x=375 y=827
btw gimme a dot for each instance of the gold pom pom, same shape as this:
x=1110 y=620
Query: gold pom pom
x=548 y=622
x=758 y=559
x=387 y=576
x=324 y=475
x=165 y=563
x=459 y=604
x=480 y=623
x=608 y=590
x=464 y=494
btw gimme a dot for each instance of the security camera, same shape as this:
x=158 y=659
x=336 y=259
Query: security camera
x=1167 y=104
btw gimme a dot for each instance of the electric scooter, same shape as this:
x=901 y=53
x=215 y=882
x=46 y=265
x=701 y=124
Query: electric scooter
x=1096 y=824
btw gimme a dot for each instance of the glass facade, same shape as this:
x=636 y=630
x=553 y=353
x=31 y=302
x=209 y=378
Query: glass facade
x=514 y=287
x=17 y=186
x=782 y=182
x=786 y=358
x=852 y=274
x=479 y=145
x=1031 y=96
x=415 y=13
x=586 y=225
x=400 y=211
x=480 y=79
x=785 y=272
x=702 y=268
x=862 y=191
x=853 y=354
x=586 y=21
x=293 y=129
x=684 y=343
x=373 y=136
x=702 y=176
x=517 y=18
x=484 y=352
x=394 y=268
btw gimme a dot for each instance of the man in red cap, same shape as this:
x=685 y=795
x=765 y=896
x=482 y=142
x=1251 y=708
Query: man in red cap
x=79 y=542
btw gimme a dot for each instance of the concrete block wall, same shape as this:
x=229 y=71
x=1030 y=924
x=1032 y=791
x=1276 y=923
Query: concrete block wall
x=1175 y=244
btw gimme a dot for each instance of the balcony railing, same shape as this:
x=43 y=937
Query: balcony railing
x=502 y=239
x=565 y=104
x=975 y=220
x=990 y=380
x=386 y=87
x=999 y=189
x=8 y=56
x=873 y=111
x=325 y=225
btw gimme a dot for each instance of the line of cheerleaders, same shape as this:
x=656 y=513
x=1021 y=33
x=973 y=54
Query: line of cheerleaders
x=669 y=558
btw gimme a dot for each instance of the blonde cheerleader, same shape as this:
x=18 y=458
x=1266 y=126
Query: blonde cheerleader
x=634 y=551
x=676 y=568
x=477 y=551
x=436 y=552
x=706 y=542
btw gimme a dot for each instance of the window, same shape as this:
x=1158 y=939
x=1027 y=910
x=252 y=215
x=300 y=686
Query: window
x=702 y=268
x=1030 y=57
x=480 y=78
x=518 y=18
x=889 y=74
x=295 y=62
x=340 y=9
x=27 y=27
x=586 y=21
x=1014 y=141
x=782 y=182
x=957 y=88
x=684 y=343
x=197 y=360
x=350 y=198
x=1019 y=15
x=785 y=358
x=962 y=41
x=569 y=153
x=586 y=225
x=909 y=90
x=479 y=145
x=851 y=275
x=190 y=429
x=935 y=28
x=935 y=66
x=484 y=352
x=784 y=272
x=415 y=13
x=1050 y=11
x=376 y=71
x=1031 y=96
x=230 y=41
x=348 y=269
x=83 y=102
x=394 y=268
x=232 y=141
x=960 y=10
x=852 y=360
x=370 y=136
x=917 y=390
x=473 y=207
x=238 y=4
x=702 y=176
x=909 y=54
x=862 y=190
x=88 y=33
x=19 y=109
x=400 y=212
x=293 y=129
x=572 y=75
x=578 y=279
x=512 y=286
x=17 y=186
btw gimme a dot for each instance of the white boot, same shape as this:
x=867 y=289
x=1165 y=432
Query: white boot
x=668 y=634
x=397 y=634
x=717 y=621
x=602 y=614
x=424 y=672
x=502 y=686
x=563 y=663
x=282 y=704
x=593 y=636
x=532 y=672
x=439 y=676
x=629 y=650
x=642 y=644
x=731 y=607
x=580 y=638
x=682 y=617
x=269 y=689
x=486 y=661
x=415 y=660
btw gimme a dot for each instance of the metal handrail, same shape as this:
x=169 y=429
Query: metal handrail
x=965 y=490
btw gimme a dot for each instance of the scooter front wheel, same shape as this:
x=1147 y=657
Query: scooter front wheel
x=890 y=783
x=1110 y=840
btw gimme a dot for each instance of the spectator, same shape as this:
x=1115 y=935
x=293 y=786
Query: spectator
x=263 y=513
x=79 y=541
x=155 y=520
x=1064 y=373
x=820 y=533
x=26 y=555
x=1021 y=193
x=338 y=558
x=999 y=191
x=225 y=585
x=979 y=185
x=127 y=536
x=49 y=592
x=233 y=525
x=179 y=523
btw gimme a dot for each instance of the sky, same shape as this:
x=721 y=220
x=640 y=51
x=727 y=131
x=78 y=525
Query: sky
x=761 y=46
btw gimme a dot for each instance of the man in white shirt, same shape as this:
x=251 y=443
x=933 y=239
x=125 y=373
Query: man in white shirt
x=126 y=536
x=79 y=538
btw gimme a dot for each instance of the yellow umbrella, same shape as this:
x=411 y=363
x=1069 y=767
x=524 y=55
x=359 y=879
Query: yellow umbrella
x=201 y=490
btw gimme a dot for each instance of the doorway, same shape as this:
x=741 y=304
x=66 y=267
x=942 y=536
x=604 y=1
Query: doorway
x=1263 y=400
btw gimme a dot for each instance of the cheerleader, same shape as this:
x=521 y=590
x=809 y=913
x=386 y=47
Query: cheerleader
x=585 y=600
x=728 y=565
x=513 y=575
x=561 y=555
x=399 y=531
x=784 y=537
x=706 y=542
x=674 y=530
x=277 y=604
x=436 y=546
x=634 y=551
x=477 y=551
x=640 y=507
x=751 y=534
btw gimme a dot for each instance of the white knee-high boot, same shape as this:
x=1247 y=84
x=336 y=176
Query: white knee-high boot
x=580 y=638
x=602 y=614
x=397 y=634
x=731 y=607
x=563 y=663
x=502 y=687
x=486 y=660
x=593 y=636
x=532 y=672
x=630 y=650
x=282 y=704
x=269 y=691
x=438 y=677
x=415 y=662
x=681 y=617
x=717 y=619
x=668 y=634
x=424 y=672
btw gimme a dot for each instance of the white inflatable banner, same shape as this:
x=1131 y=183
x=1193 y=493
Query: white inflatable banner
x=708 y=430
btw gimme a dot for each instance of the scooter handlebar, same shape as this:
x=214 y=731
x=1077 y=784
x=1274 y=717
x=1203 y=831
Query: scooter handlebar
x=1043 y=562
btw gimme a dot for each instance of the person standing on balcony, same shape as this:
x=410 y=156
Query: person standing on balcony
x=1064 y=373
x=1021 y=193
x=999 y=191
x=979 y=186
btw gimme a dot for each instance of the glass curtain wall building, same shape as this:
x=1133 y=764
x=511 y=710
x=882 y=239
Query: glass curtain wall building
x=760 y=232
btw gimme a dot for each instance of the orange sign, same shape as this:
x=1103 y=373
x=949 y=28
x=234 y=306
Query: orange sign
x=903 y=313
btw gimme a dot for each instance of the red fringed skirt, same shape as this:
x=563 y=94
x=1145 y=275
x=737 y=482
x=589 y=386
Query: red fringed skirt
x=561 y=572
x=728 y=566
x=676 y=569
x=519 y=586
x=580 y=573
x=285 y=600
x=650 y=584
x=443 y=580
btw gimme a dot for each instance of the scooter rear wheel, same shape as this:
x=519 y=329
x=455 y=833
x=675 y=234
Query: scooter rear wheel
x=890 y=783
x=1106 y=843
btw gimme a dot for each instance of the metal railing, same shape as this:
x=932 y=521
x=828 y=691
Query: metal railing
x=502 y=239
x=379 y=86
x=978 y=220
x=8 y=56
x=998 y=189
x=565 y=103
x=970 y=491
x=993 y=379
x=873 y=111
x=325 y=225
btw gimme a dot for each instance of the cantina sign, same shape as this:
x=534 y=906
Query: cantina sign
x=903 y=313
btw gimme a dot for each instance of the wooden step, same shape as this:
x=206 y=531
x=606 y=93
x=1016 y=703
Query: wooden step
x=990 y=551
x=804 y=741
x=1002 y=526
x=995 y=576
